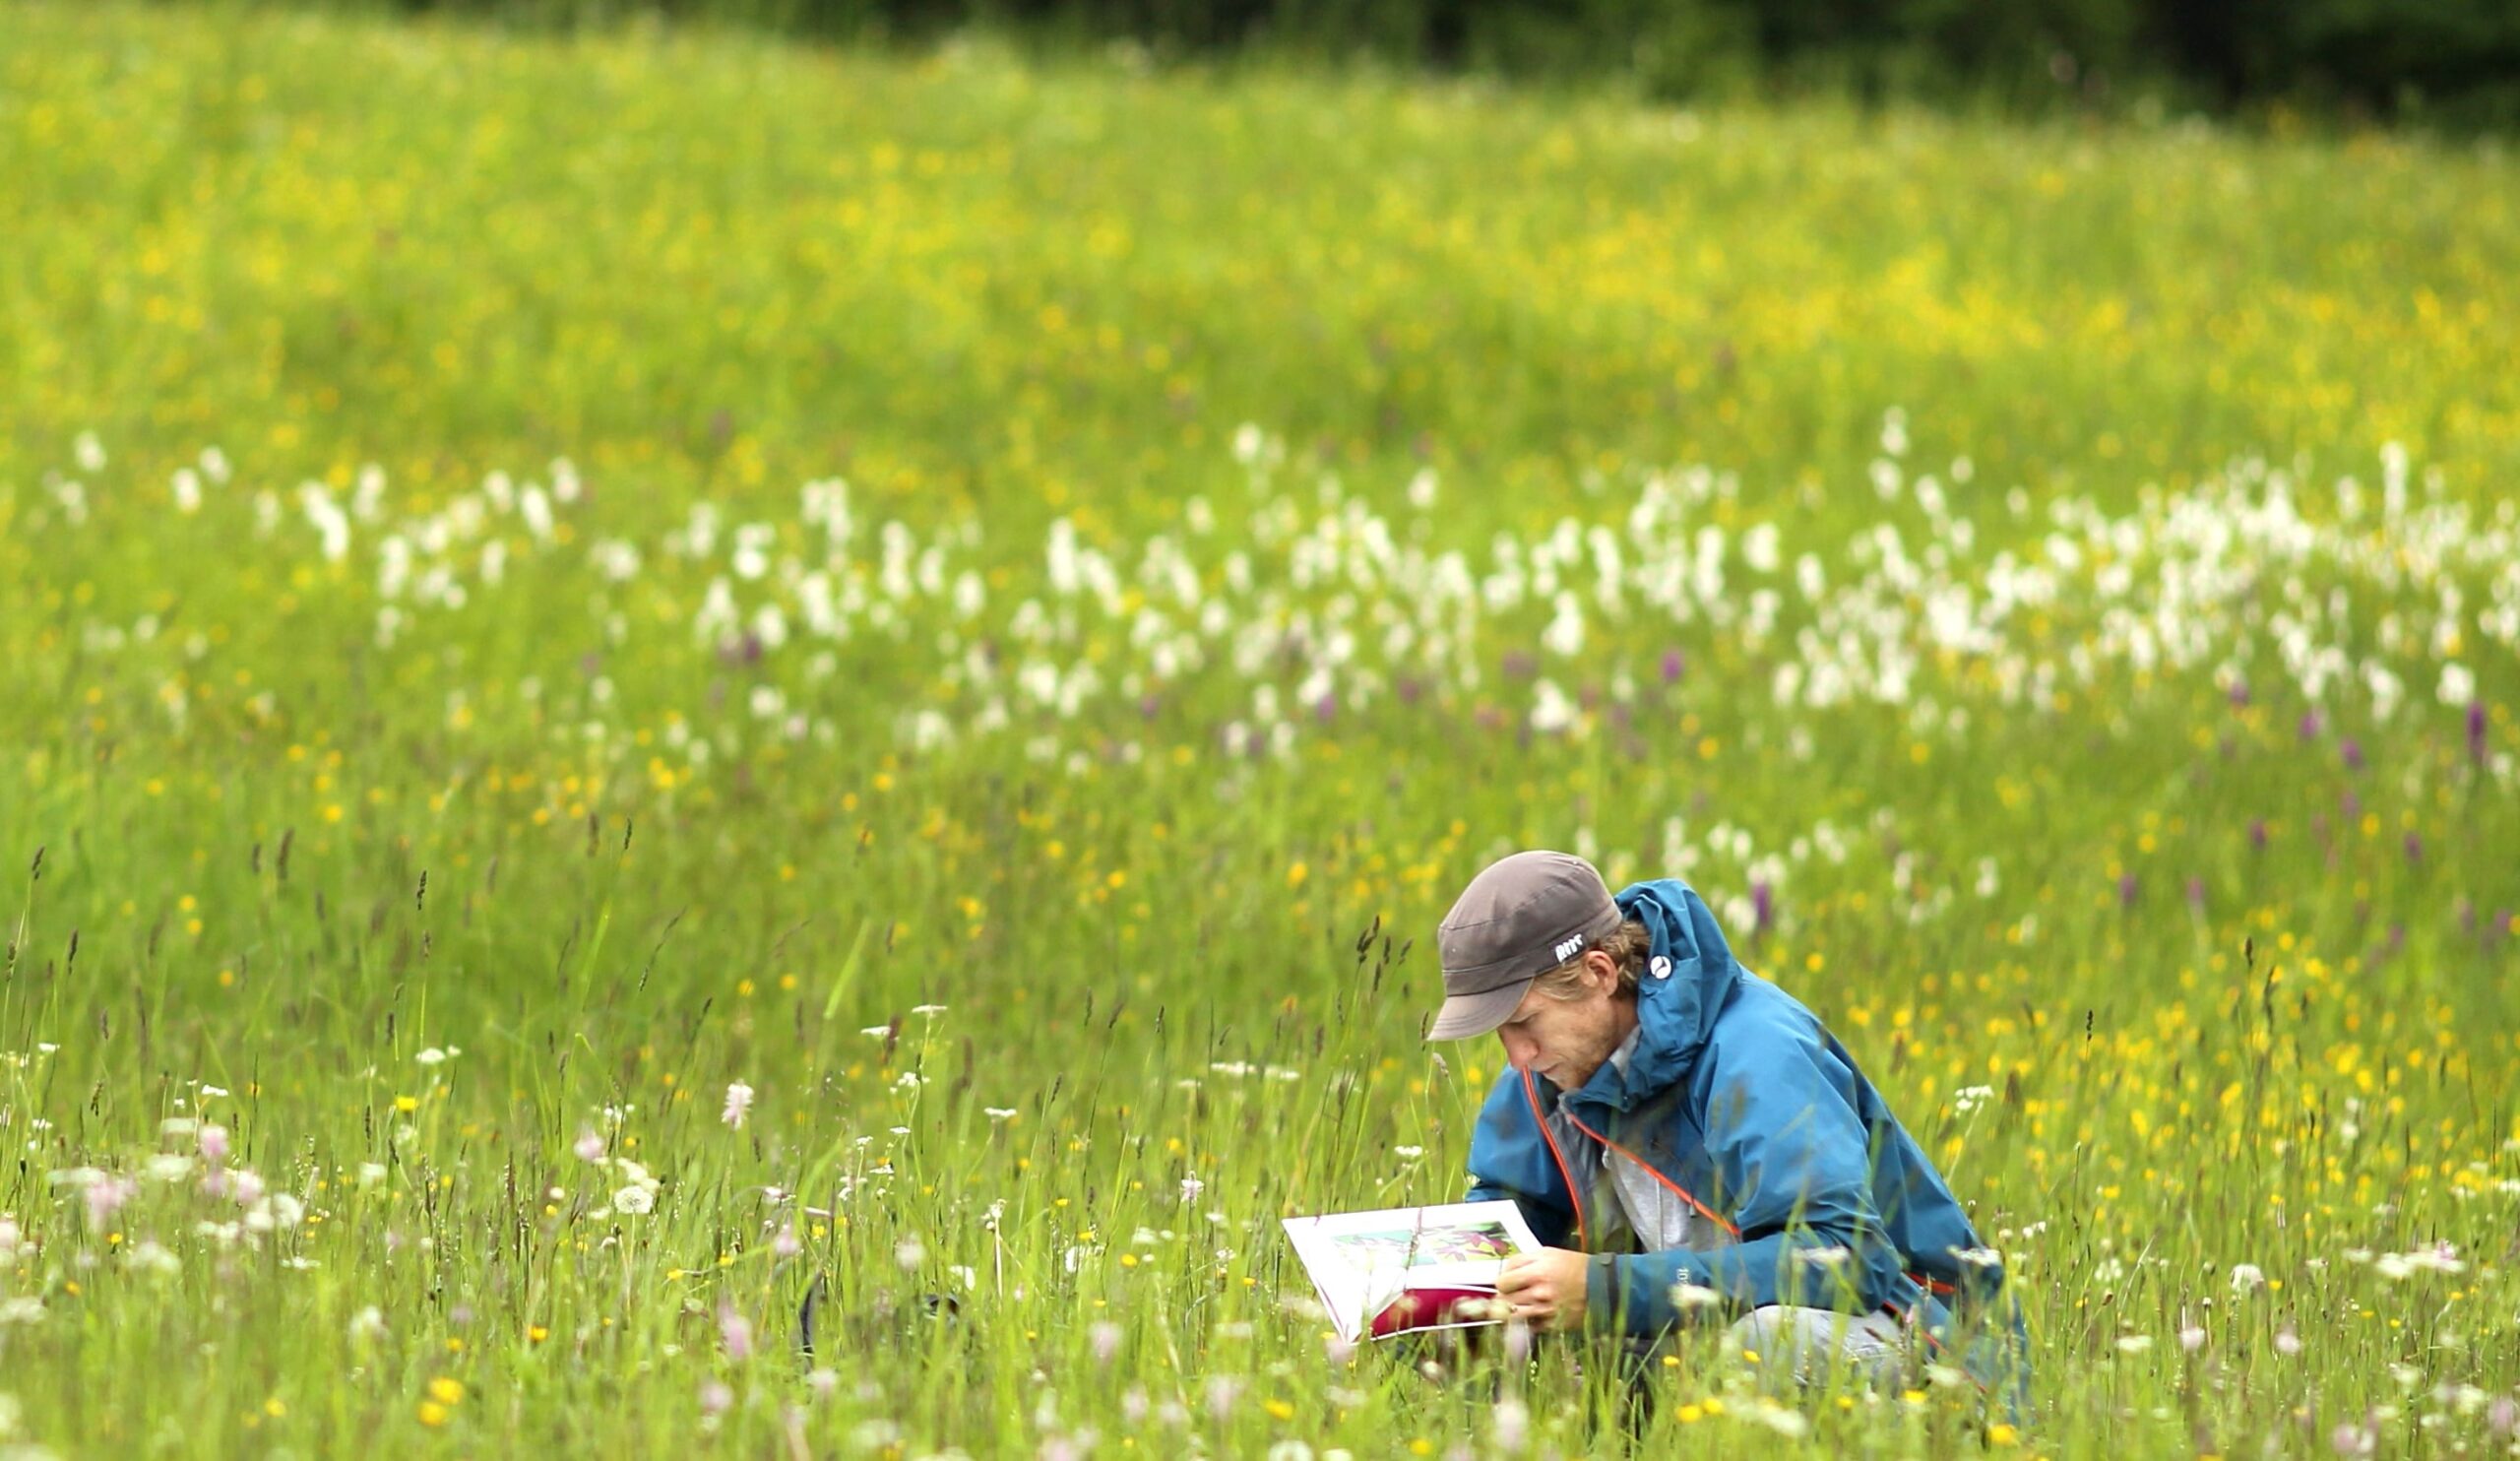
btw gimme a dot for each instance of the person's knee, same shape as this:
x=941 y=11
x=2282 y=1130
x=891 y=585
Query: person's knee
x=1760 y=1331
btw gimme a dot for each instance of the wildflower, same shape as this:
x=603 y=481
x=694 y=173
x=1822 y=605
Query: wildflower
x=590 y=1146
x=634 y=1200
x=214 y=1144
x=2134 y=1343
x=1105 y=1339
x=738 y=1101
x=2191 y=1339
x=152 y=1257
x=2246 y=1278
x=1687 y=1296
x=367 y=1325
x=999 y=1113
x=2503 y=1417
x=909 y=1252
x=1510 y=1424
x=431 y=1056
x=1222 y=1391
x=715 y=1398
x=734 y=1332
x=784 y=1244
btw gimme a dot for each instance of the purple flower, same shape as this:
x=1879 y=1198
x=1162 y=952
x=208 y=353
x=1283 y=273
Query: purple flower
x=1148 y=706
x=2414 y=848
x=1521 y=665
x=2352 y=754
x=2257 y=835
x=2196 y=894
x=2239 y=693
x=2351 y=1439
x=1325 y=707
x=1675 y=665
x=2310 y=723
x=2476 y=731
x=2127 y=890
x=1762 y=904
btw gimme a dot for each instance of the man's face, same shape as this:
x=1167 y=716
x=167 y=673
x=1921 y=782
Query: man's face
x=1567 y=1039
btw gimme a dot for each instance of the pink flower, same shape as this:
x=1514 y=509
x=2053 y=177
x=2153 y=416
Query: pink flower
x=214 y=1144
x=786 y=1244
x=2287 y=1342
x=1106 y=1339
x=735 y=1331
x=738 y=1101
x=715 y=1398
x=590 y=1147
x=104 y=1195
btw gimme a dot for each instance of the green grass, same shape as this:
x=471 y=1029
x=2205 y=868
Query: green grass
x=419 y=637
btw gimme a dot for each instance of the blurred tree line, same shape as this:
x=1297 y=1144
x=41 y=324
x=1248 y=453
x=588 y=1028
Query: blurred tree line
x=2454 y=60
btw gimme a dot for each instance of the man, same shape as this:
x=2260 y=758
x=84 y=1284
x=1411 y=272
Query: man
x=1690 y=1142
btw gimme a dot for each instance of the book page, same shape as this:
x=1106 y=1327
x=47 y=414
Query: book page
x=1360 y=1261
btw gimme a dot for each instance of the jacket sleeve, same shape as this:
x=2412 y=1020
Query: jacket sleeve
x=1795 y=1163
x=1509 y=1158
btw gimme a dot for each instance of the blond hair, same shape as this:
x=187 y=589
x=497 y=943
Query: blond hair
x=1628 y=944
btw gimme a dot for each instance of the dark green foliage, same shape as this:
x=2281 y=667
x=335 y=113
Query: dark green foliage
x=2455 y=59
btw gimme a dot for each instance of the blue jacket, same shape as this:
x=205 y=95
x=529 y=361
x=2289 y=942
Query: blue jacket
x=1736 y=1095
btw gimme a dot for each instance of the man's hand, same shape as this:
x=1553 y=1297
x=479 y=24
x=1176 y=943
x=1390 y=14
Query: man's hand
x=1545 y=1290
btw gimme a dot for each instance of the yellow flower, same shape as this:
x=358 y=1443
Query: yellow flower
x=2002 y=1435
x=446 y=1389
x=432 y=1413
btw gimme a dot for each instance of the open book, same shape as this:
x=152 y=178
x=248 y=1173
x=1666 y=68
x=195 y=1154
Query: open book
x=1381 y=1273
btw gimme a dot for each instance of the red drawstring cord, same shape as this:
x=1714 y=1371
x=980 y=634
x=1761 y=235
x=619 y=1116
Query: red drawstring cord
x=1532 y=1093
x=1710 y=1214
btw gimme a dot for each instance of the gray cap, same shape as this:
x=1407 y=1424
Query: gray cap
x=1519 y=919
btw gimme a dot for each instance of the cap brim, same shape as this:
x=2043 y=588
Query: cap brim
x=1466 y=1015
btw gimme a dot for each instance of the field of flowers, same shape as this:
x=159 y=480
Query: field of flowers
x=651 y=674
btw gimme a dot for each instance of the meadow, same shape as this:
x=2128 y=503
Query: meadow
x=646 y=670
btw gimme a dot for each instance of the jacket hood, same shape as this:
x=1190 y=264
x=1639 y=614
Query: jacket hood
x=1690 y=974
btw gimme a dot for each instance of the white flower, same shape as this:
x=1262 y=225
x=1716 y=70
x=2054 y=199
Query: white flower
x=149 y=1256
x=2458 y=684
x=367 y=1324
x=738 y=1101
x=2134 y=1343
x=90 y=452
x=634 y=1200
x=431 y=1056
x=999 y=1113
x=1408 y=1153
x=909 y=1252
x=2246 y=1277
